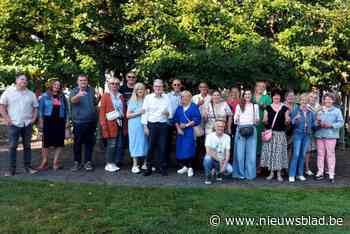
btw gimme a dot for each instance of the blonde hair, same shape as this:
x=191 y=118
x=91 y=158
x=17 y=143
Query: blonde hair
x=134 y=92
x=305 y=96
x=109 y=79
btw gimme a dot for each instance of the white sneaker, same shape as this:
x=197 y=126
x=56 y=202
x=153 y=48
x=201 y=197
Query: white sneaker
x=291 y=179
x=190 y=172
x=309 y=173
x=182 y=170
x=135 y=170
x=207 y=182
x=110 y=167
x=115 y=167
x=301 y=178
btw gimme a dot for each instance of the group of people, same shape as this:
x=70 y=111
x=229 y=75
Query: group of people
x=238 y=135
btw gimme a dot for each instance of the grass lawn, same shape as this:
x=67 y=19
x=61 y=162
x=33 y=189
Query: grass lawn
x=46 y=207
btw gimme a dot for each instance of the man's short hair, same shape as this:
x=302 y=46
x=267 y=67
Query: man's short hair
x=82 y=75
x=176 y=79
x=158 y=81
x=130 y=72
x=220 y=121
x=203 y=83
x=18 y=75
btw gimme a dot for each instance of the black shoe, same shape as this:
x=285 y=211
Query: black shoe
x=164 y=173
x=219 y=177
x=207 y=180
x=76 y=167
x=30 y=170
x=147 y=173
x=10 y=172
x=158 y=171
x=88 y=166
x=119 y=164
x=320 y=177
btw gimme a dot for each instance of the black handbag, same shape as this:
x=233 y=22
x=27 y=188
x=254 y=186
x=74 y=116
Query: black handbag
x=246 y=131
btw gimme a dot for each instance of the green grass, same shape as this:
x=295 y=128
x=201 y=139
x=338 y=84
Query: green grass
x=46 y=207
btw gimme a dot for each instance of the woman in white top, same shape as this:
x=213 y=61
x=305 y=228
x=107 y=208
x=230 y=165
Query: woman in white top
x=246 y=118
x=216 y=109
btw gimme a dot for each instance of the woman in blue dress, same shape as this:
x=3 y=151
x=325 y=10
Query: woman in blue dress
x=138 y=143
x=186 y=117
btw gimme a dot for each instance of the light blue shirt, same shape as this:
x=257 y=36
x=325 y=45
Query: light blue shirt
x=175 y=101
x=334 y=117
x=305 y=124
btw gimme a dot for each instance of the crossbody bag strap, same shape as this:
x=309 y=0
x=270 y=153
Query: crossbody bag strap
x=212 y=107
x=183 y=110
x=254 y=114
x=274 y=119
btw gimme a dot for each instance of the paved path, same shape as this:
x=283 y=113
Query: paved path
x=125 y=177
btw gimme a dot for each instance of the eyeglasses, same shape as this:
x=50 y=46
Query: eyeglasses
x=203 y=87
x=132 y=77
x=114 y=83
x=158 y=86
x=176 y=84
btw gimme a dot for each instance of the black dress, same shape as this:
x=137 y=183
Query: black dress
x=54 y=126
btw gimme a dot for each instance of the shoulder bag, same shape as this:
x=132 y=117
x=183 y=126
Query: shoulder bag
x=247 y=131
x=266 y=135
x=198 y=131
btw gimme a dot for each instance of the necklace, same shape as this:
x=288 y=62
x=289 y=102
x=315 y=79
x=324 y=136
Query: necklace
x=276 y=106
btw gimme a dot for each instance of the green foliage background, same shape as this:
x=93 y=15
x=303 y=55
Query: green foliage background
x=290 y=43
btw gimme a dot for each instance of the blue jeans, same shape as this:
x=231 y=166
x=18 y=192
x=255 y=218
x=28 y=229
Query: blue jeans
x=209 y=163
x=115 y=149
x=244 y=164
x=84 y=134
x=301 y=143
x=26 y=134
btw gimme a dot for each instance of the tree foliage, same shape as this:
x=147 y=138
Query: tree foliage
x=290 y=43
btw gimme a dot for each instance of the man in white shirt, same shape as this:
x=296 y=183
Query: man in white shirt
x=19 y=108
x=217 y=145
x=158 y=111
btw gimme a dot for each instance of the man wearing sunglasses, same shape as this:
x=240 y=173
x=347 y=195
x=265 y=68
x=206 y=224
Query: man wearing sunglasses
x=174 y=97
x=128 y=85
x=126 y=90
